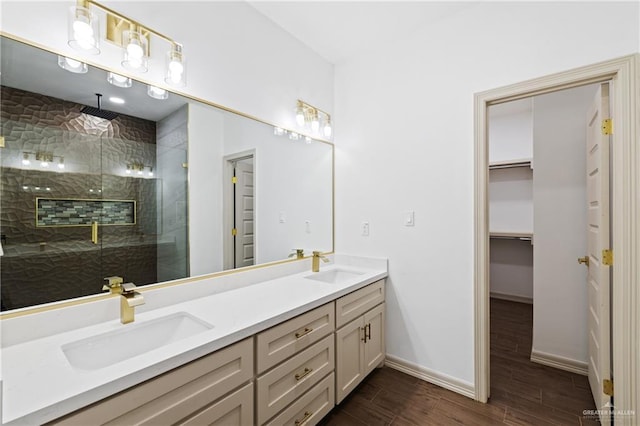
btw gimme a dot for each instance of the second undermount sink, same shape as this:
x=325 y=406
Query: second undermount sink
x=334 y=276
x=111 y=347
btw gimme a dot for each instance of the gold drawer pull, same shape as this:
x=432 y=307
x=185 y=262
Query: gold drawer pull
x=304 y=374
x=306 y=331
x=307 y=415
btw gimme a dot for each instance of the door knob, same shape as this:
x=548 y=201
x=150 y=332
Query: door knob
x=584 y=260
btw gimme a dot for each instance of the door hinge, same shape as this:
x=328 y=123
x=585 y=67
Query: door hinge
x=607 y=387
x=1 y=141
x=607 y=126
x=234 y=180
x=185 y=165
x=234 y=232
x=607 y=257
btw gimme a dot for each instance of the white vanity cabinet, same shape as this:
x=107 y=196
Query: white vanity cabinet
x=360 y=344
x=306 y=346
x=195 y=393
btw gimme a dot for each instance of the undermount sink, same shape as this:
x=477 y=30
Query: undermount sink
x=334 y=276
x=111 y=347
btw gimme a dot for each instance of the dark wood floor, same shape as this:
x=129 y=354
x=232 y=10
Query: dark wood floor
x=522 y=392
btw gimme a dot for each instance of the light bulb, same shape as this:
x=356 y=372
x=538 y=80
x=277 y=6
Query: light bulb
x=61 y=165
x=294 y=136
x=327 y=129
x=150 y=173
x=278 y=131
x=134 y=50
x=315 y=124
x=139 y=172
x=25 y=159
x=72 y=65
x=176 y=67
x=300 y=116
x=44 y=164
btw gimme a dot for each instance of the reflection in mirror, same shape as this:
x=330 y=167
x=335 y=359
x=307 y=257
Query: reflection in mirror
x=147 y=189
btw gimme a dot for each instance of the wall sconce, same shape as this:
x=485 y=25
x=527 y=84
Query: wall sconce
x=139 y=169
x=43 y=157
x=313 y=117
x=84 y=31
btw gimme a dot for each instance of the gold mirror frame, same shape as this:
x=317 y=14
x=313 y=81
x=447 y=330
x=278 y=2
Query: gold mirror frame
x=149 y=287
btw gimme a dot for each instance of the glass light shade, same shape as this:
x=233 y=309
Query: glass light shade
x=157 y=93
x=134 y=54
x=84 y=30
x=119 y=80
x=294 y=136
x=315 y=123
x=327 y=129
x=278 y=131
x=72 y=65
x=176 y=67
x=300 y=115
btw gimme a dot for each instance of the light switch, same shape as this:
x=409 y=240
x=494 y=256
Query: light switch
x=365 y=229
x=409 y=218
x=307 y=226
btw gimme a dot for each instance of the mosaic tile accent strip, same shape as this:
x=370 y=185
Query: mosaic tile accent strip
x=77 y=212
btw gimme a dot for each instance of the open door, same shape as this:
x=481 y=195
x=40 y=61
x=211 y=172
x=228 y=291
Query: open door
x=243 y=213
x=598 y=244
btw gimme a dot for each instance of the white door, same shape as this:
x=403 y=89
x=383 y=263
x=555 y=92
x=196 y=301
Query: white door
x=243 y=206
x=598 y=278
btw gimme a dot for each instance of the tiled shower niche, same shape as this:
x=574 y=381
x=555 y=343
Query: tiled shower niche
x=74 y=212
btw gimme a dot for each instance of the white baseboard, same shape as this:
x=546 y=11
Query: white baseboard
x=443 y=380
x=560 y=362
x=511 y=297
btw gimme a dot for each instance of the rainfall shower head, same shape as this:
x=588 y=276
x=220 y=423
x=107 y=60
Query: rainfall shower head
x=99 y=112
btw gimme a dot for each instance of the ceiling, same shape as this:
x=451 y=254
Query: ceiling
x=338 y=30
x=35 y=70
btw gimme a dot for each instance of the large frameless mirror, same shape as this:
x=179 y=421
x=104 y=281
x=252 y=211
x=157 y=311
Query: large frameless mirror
x=141 y=183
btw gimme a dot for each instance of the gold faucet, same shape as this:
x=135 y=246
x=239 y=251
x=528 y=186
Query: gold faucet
x=114 y=285
x=299 y=254
x=129 y=299
x=315 y=262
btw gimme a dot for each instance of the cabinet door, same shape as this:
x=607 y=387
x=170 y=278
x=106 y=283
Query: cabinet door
x=349 y=357
x=234 y=410
x=374 y=348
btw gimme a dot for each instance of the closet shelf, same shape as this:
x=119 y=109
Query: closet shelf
x=522 y=236
x=510 y=164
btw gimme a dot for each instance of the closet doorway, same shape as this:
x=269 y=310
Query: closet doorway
x=625 y=235
x=539 y=206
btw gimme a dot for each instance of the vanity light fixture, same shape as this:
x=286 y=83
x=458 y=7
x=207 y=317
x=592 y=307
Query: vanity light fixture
x=157 y=93
x=119 y=80
x=139 y=169
x=72 y=65
x=133 y=37
x=307 y=114
x=45 y=158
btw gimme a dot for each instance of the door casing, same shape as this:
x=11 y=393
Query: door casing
x=625 y=216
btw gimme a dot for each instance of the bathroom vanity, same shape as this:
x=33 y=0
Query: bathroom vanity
x=276 y=345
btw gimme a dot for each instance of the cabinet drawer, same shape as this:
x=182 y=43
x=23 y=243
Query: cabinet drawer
x=282 y=385
x=286 y=339
x=354 y=304
x=311 y=407
x=174 y=395
x=234 y=410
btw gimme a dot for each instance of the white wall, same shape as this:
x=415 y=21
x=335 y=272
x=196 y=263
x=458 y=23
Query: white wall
x=236 y=56
x=560 y=304
x=404 y=136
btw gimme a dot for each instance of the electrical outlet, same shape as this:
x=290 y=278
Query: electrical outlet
x=365 y=229
x=307 y=226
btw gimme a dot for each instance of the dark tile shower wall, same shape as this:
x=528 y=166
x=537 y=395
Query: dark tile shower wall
x=44 y=264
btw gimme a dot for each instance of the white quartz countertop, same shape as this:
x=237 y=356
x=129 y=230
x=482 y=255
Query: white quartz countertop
x=39 y=384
